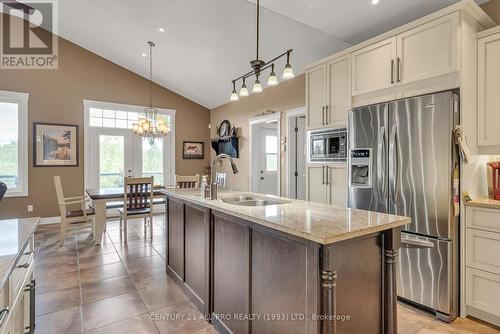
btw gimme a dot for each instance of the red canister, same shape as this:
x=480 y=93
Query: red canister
x=494 y=187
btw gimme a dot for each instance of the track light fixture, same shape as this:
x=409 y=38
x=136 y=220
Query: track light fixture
x=259 y=66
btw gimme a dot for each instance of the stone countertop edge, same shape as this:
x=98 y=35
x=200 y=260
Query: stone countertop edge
x=13 y=259
x=192 y=196
x=484 y=202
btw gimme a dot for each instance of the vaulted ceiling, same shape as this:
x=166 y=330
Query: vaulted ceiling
x=206 y=43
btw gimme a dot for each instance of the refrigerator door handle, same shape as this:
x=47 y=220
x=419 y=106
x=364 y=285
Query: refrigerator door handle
x=416 y=242
x=393 y=157
x=381 y=162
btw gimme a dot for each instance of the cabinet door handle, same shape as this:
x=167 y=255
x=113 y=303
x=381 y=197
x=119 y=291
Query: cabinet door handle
x=392 y=71
x=323 y=116
x=323 y=174
x=326 y=115
x=327 y=175
x=398 y=69
x=26 y=265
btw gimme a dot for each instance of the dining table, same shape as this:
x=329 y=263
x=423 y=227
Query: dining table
x=101 y=197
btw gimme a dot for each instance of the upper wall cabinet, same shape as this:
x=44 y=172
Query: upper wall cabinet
x=429 y=50
x=426 y=51
x=329 y=93
x=488 y=90
x=373 y=67
x=316 y=96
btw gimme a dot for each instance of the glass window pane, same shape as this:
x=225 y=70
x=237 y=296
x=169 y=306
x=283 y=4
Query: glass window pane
x=272 y=144
x=272 y=162
x=94 y=112
x=121 y=124
x=111 y=161
x=152 y=160
x=133 y=116
x=108 y=122
x=95 y=122
x=120 y=114
x=108 y=113
x=9 y=141
x=130 y=124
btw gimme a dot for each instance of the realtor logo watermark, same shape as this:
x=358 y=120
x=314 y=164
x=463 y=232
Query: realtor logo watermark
x=29 y=35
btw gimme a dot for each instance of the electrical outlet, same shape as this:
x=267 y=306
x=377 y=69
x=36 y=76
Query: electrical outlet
x=30 y=208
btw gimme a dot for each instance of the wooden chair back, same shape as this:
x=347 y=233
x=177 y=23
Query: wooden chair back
x=220 y=179
x=187 y=181
x=138 y=193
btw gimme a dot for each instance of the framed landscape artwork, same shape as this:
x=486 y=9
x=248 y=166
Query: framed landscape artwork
x=55 y=145
x=192 y=150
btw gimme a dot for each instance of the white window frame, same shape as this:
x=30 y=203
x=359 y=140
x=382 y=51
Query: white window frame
x=22 y=101
x=168 y=161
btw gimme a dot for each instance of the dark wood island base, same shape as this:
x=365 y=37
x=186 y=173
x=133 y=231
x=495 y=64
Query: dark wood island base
x=248 y=278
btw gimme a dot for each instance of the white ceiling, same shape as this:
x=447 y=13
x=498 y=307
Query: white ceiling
x=355 y=21
x=207 y=43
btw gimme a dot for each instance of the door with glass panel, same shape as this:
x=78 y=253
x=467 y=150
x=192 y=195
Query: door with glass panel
x=116 y=152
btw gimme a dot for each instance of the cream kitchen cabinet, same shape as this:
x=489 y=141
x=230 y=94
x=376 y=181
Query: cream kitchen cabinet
x=316 y=96
x=482 y=263
x=373 y=67
x=427 y=51
x=327 y=184
x=328 y=93
x=488 y=88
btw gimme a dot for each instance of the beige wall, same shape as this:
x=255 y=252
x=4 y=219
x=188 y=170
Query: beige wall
x=492 y=8
x=56 y=97
x=286 y=96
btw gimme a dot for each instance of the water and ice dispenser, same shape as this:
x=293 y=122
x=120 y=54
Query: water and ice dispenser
x=360 y=164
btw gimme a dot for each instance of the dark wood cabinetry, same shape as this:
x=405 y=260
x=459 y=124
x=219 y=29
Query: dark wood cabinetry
x=253 y=279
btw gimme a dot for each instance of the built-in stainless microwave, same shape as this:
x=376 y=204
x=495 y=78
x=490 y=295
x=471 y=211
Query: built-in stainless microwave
x=327 y=145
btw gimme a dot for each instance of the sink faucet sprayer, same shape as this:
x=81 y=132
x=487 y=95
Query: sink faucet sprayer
x=214 y=185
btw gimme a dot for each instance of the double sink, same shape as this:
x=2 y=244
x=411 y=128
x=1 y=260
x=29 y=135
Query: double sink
x=250 y=200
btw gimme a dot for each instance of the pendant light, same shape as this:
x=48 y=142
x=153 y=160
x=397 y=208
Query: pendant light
x=258 y=66
x=273 y=80
x=150 y=125
x=234 y=94
x=244 y=89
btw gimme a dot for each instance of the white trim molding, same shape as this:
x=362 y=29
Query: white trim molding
x=21 y=99
x=301 y=111
x=275 y=117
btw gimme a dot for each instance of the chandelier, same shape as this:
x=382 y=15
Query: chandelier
x=258 y=67
x=150 y=125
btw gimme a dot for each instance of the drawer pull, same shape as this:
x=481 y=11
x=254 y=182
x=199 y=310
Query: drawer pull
x=29 y=253
x=26 y=265
x=3 y=314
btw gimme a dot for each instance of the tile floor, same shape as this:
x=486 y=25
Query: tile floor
x=118 y=288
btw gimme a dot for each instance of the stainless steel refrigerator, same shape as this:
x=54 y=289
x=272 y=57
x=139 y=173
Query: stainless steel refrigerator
x=402 y=161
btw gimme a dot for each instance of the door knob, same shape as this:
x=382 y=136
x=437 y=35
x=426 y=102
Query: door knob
x=262 y=178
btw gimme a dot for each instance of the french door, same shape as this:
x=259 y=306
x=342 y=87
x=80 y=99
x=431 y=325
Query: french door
x=113 y=151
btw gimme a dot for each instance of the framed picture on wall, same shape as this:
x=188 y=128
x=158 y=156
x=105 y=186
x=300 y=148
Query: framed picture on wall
x=193 y=150
x=55 y=145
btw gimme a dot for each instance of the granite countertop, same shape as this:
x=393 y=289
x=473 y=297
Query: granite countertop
x=321 y=223
x=14 y=236
x=484 y=202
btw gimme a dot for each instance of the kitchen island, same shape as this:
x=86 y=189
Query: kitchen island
x=262 y=264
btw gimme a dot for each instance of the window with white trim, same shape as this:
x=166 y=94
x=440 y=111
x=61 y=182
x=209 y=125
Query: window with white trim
x=14 y=142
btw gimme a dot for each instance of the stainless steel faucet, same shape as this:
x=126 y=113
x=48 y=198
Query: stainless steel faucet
x=214 y=185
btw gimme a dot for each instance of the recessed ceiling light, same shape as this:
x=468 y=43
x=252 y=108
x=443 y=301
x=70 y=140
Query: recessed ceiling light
x=163 y=30
x=144 y=55
x=375 y=2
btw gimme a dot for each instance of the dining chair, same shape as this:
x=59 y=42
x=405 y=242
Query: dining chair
x=220 y=179
x=187 y=181
x=137 y=203
x=83 y=215
x=3 y=190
